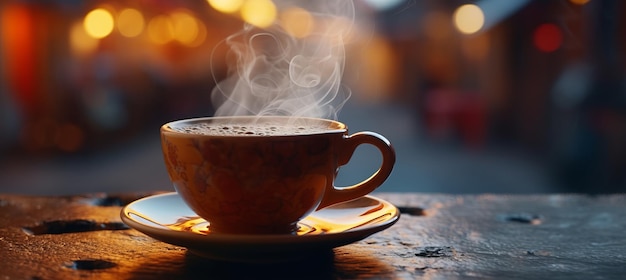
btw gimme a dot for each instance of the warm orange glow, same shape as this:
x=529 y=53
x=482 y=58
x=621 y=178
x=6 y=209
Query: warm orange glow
x=161 y=30
x=476 y=48
x=260 y=13
x=98 y=23
x=297 y=22
x=185 y=27
x=436 y=26
x=377 y=72
x=469 y=19
x=226 y=6
x=201 y=37
x=579 y=2
x=18 y=41
x=80 y=42
x=130 y=23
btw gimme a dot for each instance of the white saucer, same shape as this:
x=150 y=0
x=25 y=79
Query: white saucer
x=167 y=218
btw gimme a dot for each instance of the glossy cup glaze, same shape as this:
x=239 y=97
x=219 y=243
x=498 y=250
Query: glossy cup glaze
x=259 y=184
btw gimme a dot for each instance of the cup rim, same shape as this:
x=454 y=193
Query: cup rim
x=340 y=127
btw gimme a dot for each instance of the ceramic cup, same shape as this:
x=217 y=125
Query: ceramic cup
x=261 y=175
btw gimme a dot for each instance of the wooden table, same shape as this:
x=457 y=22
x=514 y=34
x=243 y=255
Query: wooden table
x=438 y=236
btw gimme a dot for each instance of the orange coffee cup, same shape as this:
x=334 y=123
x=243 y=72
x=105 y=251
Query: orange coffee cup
x=261 y=175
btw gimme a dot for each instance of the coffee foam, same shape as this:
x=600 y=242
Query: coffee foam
x=251 y=129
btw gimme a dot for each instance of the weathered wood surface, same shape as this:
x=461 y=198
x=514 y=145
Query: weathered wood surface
x=437 y=237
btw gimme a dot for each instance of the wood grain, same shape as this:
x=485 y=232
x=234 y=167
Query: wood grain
x=438 y=236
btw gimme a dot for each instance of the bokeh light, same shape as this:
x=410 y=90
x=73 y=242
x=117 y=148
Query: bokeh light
x=80 y=42
x=98 y=23
x=548 y=37
x=297 y=22
x=469 y=19
x=226 y=6
x=260 y=13
x=130 y=22
x=201 y=36
x=185 y=27
x=161 y=29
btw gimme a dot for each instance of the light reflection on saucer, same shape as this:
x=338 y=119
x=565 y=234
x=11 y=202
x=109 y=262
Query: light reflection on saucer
x=167 y=218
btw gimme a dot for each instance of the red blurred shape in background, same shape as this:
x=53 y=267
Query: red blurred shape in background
x=18 y=38
x=548 y=37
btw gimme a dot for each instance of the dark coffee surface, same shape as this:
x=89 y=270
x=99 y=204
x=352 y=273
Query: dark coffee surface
x=264 y=129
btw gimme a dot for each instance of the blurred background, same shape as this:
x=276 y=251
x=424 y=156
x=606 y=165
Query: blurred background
x=490 y=96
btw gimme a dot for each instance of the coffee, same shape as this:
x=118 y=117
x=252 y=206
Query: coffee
x=252 y=129
x=261 y=175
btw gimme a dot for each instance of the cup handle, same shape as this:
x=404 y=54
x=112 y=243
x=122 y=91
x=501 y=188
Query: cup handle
x=334 y=194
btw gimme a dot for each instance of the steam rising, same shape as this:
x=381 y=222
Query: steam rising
x=272 y=72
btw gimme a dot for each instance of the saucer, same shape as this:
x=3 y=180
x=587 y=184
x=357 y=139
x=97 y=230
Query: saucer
x=167 y=218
